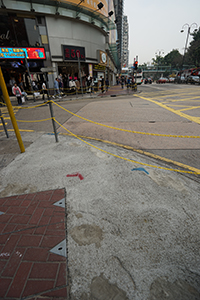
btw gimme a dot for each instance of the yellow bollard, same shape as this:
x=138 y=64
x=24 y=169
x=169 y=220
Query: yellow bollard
x=11 y=113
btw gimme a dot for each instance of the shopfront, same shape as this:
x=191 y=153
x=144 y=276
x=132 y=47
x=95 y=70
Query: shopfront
x=19 y=38
x=21 y=65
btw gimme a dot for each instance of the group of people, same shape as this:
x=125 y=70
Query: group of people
x=126 y=81
x=89 y=85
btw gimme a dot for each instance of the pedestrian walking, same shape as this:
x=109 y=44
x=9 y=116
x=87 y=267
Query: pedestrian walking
x=44 y=91
x=56 y=88
x=107 y=84
x=102 y=84
x=17 y=92
x=122 y=82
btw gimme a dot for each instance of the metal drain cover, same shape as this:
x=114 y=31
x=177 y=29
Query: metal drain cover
x=60 y=249
x=60 y=203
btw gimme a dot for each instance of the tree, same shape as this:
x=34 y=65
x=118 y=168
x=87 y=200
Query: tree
x=173 y=58
x=158 y=61
x=193 y=54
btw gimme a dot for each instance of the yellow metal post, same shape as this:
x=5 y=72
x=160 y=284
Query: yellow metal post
x=10 y=110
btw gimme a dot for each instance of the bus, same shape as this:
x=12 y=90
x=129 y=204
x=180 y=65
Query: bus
x=139 y=76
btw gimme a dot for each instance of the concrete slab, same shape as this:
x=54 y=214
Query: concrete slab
x=130 y=235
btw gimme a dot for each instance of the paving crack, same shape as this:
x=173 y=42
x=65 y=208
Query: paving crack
x=123 y=267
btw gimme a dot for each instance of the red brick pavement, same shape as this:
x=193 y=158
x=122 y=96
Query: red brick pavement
x=117 y=90
x=30 y=226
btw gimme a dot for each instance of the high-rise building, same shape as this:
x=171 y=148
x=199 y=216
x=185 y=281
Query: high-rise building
x=125 y=43
x=119 y=5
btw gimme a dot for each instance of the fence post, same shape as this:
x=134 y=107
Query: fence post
x=4 y=125
x=53 y=122
x=10 y=110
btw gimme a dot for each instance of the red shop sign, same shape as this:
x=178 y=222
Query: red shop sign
x=73 y=52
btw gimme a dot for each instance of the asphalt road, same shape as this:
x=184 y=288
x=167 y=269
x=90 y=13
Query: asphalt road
x=165 y=109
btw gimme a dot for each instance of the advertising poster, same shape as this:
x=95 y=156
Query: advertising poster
x=14 y=53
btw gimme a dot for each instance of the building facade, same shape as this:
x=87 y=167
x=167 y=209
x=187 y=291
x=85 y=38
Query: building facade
x=73 y=38
x=125 y=43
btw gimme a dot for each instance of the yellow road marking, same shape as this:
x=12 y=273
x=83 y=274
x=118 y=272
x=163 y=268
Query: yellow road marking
x=24 y=130
x=189 y=108
x=191 y=118
x=167 y=160
x=185 y=99
x=125 y=130
x=176 y=93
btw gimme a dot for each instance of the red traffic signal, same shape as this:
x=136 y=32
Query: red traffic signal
x=136 y=64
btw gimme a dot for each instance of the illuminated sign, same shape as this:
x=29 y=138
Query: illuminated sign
x=73 y=52
x=99 y=67
x=14 y=53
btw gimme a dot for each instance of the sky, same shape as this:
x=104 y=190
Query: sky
x=155 y=25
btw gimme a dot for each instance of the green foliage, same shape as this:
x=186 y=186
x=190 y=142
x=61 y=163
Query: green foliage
x=193 y=53
x=173 y=58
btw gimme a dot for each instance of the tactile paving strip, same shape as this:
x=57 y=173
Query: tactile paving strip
x=31 y=226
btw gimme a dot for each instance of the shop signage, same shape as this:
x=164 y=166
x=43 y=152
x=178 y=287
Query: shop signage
x=14 y=53
x=99 y=67
x=73 y=52
x=5 y=36
x=48 y=69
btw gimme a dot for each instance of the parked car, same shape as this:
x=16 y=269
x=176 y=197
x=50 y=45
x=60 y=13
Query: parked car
x=172 y=79
x=193 y=79
x=162 y=80
x=148 y=80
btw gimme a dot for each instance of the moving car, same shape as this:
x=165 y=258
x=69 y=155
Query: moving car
x=162 y=80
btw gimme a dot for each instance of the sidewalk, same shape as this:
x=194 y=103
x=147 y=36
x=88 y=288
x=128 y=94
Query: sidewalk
x=132 y=231
x=113 y=91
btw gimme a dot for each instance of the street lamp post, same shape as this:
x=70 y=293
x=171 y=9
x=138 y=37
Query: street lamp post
x=158 y=53
x=188 y=33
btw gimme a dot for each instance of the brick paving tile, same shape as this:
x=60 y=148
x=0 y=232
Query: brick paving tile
x=55 y=232
x=4 y=285
x=50 y=241
x=9 y=228
x=27 y=268
x=36 y=216
x=31 y=208
x=25 y=203
x=30 y=240
x=19 y=219
x=59 y=293
x=61 y=275
x=2 y=226
x=49 y=212
x=10 y=243
x=44 y=270
x=37 y=286
x=13 y=263
x=54 y=257
x=16 y=210
x=20 y=279
x=36 y=254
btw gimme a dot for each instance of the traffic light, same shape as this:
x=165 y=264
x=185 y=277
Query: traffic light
x=135 y=65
